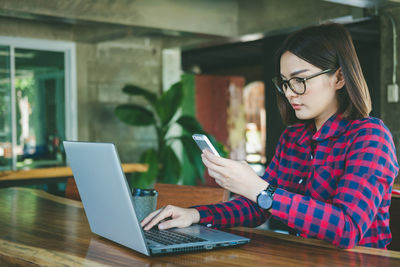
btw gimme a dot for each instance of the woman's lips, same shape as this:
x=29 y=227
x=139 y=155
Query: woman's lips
x=296 y=106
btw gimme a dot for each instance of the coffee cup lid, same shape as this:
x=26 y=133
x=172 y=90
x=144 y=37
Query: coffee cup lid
x=144 y=192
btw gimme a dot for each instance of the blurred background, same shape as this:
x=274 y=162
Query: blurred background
x=63 y=65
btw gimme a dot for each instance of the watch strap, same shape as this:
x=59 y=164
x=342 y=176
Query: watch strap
x=271 y=191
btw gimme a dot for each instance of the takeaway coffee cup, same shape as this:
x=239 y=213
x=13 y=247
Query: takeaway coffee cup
x=144 y=201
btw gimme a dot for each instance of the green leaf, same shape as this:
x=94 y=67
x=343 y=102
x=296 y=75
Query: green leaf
x=171 y=167
x=134 y=115
x=190 y=124
x=169 y=103
x=147 y=179
x=136 y=90
x=194 y=155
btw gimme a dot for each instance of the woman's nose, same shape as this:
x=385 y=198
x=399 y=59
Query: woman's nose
x=289 y=93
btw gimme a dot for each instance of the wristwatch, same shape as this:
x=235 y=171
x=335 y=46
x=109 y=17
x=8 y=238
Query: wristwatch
x=264 y=199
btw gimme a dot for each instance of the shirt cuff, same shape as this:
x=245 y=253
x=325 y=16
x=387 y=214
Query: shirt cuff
x=281 y=204
x=206 y=217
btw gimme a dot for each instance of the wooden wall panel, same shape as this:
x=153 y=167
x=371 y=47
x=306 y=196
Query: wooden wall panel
x=216 y=98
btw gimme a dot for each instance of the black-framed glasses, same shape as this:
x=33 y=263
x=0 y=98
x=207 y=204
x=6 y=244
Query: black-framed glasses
x=296 y=84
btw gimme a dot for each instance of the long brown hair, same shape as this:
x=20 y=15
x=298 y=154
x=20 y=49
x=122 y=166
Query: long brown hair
x=328 y=46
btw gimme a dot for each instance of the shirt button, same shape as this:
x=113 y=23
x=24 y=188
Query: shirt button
x=300 y=181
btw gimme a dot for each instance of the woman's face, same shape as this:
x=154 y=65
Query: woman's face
x=319 y=102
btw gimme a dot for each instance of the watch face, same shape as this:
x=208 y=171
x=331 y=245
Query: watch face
x=264 y=201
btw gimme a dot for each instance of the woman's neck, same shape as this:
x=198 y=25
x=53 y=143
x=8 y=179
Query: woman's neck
x=321 y=120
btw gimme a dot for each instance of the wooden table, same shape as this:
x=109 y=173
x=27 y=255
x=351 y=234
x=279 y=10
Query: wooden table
x=53 y=174
x=39 y=228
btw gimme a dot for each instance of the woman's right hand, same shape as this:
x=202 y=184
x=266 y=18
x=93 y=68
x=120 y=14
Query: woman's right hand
x=176 y=217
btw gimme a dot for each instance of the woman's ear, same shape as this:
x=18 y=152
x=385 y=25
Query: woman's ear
x=339 y=83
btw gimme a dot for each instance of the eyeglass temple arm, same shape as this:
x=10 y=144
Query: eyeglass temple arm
x=316 y=74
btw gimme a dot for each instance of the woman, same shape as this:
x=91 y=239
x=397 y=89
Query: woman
x=332 y=173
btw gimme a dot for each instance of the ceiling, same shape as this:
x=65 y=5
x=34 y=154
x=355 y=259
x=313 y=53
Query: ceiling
x=365 y=3
x=242 y=53
x=95 y=31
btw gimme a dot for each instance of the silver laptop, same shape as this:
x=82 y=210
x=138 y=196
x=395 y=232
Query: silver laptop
x=110 y=211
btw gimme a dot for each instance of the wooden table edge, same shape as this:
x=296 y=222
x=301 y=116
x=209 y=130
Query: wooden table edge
x=321 y=243
x=58 y=172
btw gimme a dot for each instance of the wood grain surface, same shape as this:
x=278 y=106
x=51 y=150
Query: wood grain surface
x=58 y=172
x=37 y=228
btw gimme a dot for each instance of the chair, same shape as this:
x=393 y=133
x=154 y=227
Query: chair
x=186 y=195
x=394 y=212
x=178 y=195
x=71 y=190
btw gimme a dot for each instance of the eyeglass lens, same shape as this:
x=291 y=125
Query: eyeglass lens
x=296 y=84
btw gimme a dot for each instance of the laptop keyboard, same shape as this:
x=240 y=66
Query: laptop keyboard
x=168 y=237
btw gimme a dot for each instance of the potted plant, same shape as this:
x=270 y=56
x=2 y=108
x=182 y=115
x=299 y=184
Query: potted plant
x=164 y=165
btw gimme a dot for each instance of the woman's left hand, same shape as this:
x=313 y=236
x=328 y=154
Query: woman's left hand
x=237 y=177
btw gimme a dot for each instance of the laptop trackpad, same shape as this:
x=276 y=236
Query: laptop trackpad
x=207 y=233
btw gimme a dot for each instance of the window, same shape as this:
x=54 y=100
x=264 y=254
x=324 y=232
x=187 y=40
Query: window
x=37 y=102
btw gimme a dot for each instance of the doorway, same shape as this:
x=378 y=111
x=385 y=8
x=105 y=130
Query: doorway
x=37 y=102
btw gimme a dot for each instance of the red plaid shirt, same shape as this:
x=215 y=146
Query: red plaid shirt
x=334 y=184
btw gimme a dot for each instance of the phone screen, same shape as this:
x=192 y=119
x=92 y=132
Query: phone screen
x=204 y=143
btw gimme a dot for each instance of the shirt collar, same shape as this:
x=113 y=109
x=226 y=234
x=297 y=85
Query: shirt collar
x=334 y=126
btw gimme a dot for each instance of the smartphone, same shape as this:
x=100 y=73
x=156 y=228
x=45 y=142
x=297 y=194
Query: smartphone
x=204 y=143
